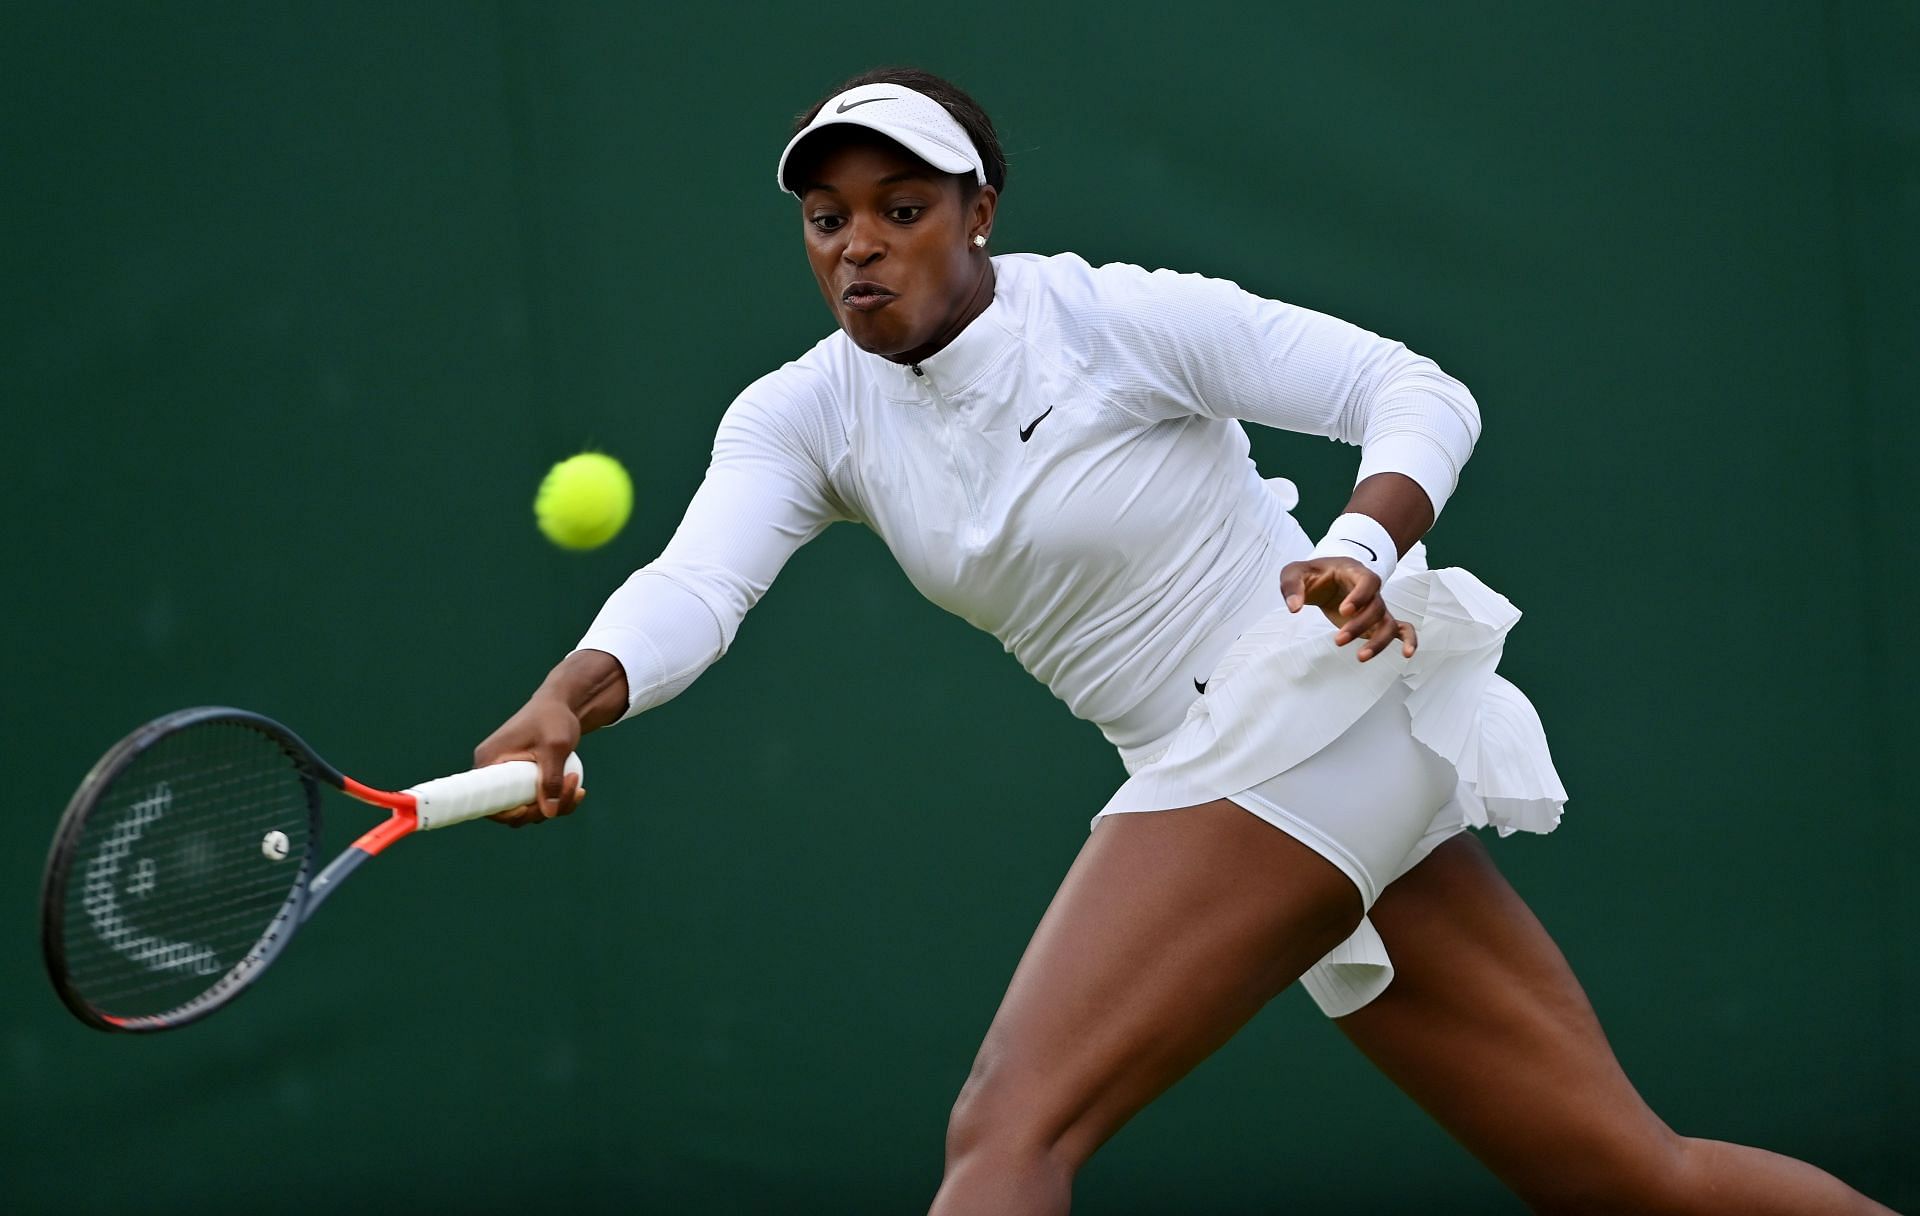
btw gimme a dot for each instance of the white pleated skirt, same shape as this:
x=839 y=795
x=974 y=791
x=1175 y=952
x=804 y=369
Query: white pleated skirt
x=1372 y=765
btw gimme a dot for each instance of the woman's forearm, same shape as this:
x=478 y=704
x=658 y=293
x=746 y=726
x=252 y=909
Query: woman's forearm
x=1398 y=502
x=590 y=683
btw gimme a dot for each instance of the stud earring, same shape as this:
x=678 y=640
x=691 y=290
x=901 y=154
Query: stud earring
x=979 y=241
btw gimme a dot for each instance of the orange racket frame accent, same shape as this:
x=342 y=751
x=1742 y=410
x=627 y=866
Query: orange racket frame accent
x=405 y=820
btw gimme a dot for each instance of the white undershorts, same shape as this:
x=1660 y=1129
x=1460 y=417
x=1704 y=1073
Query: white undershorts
x=1374 y=802
x=1367 y=801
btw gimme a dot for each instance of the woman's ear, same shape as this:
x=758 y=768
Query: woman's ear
x=980 y=214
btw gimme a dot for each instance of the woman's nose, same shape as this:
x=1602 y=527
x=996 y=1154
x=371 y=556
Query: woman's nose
x=864 y=242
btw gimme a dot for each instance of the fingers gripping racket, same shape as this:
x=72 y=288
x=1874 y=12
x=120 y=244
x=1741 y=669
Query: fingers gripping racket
x=187 y=858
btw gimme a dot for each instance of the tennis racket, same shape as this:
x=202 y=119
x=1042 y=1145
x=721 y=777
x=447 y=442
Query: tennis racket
x=187 y=859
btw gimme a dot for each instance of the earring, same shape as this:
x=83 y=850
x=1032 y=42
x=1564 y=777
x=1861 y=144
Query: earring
x=979 y=241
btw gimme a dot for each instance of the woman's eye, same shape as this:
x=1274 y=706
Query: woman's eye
x=905 y=214
x=827 y=223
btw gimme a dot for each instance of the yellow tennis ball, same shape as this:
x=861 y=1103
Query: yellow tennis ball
x=584 y=501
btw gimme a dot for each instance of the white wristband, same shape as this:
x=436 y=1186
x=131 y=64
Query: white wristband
x=1362 y=538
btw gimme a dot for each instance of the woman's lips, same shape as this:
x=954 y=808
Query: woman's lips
x=865 y=297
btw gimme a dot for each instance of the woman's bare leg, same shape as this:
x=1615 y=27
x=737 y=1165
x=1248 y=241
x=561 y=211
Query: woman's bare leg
x=1486 y=1028
x=1169 y=932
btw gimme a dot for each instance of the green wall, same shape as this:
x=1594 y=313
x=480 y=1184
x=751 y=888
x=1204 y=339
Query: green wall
x=300 y=300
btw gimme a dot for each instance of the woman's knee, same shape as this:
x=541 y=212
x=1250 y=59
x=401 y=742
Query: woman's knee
x=1621 y=1176
x=968 y=1123
x=998 y=1159
x=990 y=1112
x=1004 y=1114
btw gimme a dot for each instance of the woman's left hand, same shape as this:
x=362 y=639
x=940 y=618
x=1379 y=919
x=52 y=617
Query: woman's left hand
x=1349 y=594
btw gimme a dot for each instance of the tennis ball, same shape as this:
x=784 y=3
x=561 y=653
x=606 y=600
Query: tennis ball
x=584 y=501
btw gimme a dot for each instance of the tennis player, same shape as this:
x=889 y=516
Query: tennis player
x=1054 y=451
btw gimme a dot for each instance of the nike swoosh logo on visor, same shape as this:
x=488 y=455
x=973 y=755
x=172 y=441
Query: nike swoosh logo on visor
x=844 y=106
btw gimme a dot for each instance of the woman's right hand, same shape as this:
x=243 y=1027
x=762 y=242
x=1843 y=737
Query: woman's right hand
x=585 y=691
x=545 y=731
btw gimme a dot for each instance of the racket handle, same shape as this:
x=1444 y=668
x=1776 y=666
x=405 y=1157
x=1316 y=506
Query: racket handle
x=478 y=792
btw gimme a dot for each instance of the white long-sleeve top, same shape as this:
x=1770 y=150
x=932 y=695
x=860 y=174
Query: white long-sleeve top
x=1069 y=474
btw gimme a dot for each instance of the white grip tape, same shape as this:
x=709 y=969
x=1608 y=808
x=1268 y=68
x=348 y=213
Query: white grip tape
x=478 y=792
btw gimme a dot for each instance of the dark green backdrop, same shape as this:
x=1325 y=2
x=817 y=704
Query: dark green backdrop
x=299 y=301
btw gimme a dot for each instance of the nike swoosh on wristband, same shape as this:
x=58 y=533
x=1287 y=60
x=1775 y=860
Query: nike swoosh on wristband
x=1026 y=432
x=844 y=106
x=1363 y=545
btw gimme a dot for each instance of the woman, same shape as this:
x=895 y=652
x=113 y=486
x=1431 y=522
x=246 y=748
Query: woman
x=1053 y=451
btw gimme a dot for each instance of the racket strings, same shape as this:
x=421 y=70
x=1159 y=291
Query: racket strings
x=181 y=867
x=163 y=962
x=110 y=934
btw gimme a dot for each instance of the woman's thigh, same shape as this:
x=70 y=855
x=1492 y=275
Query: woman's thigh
x=1487 y=1029
x=1169 y=932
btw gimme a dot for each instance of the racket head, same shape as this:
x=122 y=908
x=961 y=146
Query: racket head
x=160 y=902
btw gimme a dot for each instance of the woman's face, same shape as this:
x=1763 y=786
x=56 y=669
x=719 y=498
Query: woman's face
x=891 y=243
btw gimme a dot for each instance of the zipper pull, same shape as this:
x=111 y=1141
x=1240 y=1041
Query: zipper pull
x=916 y=369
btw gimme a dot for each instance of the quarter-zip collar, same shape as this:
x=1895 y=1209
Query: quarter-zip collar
x=956 y=366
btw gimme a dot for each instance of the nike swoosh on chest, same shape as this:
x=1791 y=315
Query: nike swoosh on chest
x=1026 y=432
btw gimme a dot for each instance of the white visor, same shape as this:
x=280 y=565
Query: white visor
x=913 y=120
